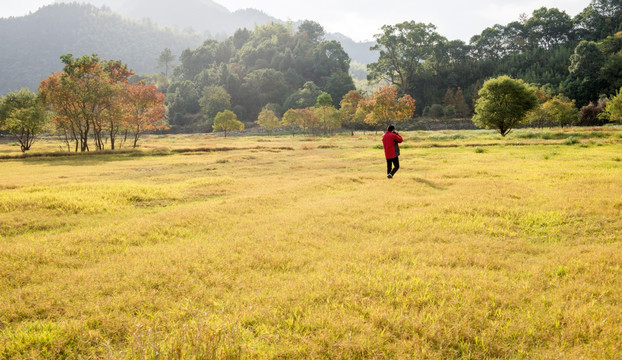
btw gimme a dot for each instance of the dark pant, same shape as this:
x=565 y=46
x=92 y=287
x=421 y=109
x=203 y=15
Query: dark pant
x=395 y=162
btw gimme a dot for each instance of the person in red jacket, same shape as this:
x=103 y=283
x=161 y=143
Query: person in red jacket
x=390 y=142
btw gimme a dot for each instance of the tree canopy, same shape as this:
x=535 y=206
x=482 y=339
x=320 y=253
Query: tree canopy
x=503 y=104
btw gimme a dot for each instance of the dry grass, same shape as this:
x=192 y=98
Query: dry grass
x=298 y=247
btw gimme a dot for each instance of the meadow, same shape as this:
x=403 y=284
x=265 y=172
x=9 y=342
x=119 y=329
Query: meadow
x=298 y=247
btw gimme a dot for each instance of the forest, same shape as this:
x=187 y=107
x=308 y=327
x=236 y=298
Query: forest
x=578 y=59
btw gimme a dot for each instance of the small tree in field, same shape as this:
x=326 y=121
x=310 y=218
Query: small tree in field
x=347 y=111
x=562 y=110
x=326 y=113
x=385 y=107
x=613 y=109
x=268 y=120
x=291 y=118
x=503 y=104
x=227 y=121
x=23 y=115
x=145 y=110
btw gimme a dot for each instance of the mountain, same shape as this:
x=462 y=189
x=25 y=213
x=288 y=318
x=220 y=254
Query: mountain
x=205 y=16
x=218 y=22
x=358 y=51
x=31 y=46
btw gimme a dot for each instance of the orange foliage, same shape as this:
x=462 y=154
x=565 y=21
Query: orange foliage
x=145 y=109
x=384 y=107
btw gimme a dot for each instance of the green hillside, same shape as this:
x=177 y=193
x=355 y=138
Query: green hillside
x=31 y=46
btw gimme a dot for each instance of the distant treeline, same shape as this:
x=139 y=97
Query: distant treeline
x=578 y=57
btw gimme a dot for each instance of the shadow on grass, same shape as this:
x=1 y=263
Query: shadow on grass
x=429 y=183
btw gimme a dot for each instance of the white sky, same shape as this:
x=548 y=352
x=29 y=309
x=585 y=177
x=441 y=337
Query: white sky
x=361 y=19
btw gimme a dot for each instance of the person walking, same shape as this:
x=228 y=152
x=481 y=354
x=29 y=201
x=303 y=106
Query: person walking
x=390 y=142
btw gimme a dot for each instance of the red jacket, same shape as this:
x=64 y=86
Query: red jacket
x=390 y=143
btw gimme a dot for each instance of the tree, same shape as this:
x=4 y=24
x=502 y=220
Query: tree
x=165 y=59
x=584 y=83
x=86 y=97
x=589 y=115
x=305 y=119
x=503 y=104
x=347 y=110
x=436 y=111
x=384 y=107
x=449 y=111
x=403 y=48
x=462 y=109
x=449 y=98
x=215 y=99
x=227 y=121
x=304 y=97
x=145 y=110
x=562 y=110
x=548 y=27
x=291 y=118
x=268 y=120
x=24 y=116
x=326 y=113
x=613 y=109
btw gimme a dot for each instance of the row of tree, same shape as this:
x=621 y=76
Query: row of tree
x=578 y=57
x=504 y=103
x=90 y=100
x=356 y=111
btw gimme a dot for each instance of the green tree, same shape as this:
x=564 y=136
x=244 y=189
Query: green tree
x=503 y=104
x=291 y=118
x=304 y=97
x=584 y=83
x=549 y=27
x=268 y=120
x=227 y=121
x=166 y=59
x=324 y=100
x=562 y=110
x=436 y=111
x=24 y=116
x=449 y=111
x=215 y=99
x=613 y=109
x=404 y=48
x=328 y=116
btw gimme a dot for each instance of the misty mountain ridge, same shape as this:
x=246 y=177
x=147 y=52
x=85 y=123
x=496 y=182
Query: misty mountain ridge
x=216 y=21
x=205 y=16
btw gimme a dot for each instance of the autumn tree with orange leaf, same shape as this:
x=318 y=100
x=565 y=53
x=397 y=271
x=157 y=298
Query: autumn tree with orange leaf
x=384 y=108
x=91 y=98
x=145 y=110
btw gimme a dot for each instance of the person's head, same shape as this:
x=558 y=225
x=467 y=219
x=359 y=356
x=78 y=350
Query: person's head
x=391 y=128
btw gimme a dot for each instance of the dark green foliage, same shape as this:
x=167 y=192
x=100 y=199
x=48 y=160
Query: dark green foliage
x=270 y=65
x=580 y=58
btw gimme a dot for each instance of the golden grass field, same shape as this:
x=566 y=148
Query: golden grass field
x=281 y=247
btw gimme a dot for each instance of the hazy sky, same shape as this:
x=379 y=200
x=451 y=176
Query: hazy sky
x=361 y=19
